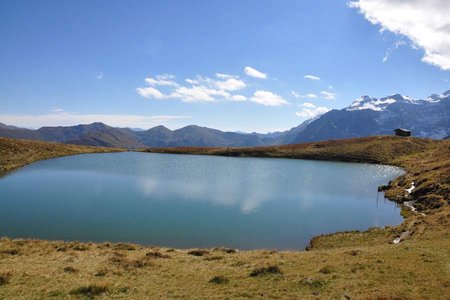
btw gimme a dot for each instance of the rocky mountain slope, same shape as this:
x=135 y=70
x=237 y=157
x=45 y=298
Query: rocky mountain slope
x=369 y=116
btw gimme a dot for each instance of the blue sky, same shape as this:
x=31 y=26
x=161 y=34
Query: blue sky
x=126 y=62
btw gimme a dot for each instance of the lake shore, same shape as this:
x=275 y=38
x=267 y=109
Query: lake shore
x=16 y=153
x=346 y=264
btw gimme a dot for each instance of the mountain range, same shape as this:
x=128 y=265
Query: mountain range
x=366 y=116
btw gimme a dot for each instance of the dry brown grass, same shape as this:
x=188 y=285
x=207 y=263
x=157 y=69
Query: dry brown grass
x=347 y=265
x=16 y=153
x=416 y=268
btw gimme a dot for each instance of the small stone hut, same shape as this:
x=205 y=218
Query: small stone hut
x=402 y=132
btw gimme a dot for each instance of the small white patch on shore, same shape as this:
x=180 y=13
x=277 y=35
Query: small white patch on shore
x=411 y=188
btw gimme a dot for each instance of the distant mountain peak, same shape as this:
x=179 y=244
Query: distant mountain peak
x=437 y=97
x=160 y=127
x=371 y=103
x=367 y=102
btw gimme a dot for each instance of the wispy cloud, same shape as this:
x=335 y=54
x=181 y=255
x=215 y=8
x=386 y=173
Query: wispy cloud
x=198 y=94
x=392 y=49
x=200 y=89
x=309 y=110
x=99 y=75
x=425 y=23
x=311 y=77
x=70 y=119
x=328 y=95
x=267 y=98
x=300 y=96
x=249 y=71
x=162 y=80
x=151 y=92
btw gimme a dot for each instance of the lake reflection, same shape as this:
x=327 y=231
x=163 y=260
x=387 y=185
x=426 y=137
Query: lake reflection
x=193 y=201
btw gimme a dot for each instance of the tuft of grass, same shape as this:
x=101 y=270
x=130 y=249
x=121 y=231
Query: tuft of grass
x=270 y=270
x=70 y=269
x=124 y=289
x=79 y=247
x=226 y=250
x=10 y=251
x=72 y=246
x=327 y=270
x=354 y=252
x=56 y=294
x=313 y=283
x=219 y=280
x=212 y=258
x=124 y=246
x=5 y=277
x=198 y=252
x=90 y=290
x=101 y=272
x=123 y=262
x=156 y=254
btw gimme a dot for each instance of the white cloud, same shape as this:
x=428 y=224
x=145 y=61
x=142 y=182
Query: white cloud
x=267 y=98
x=56 y=109
x=162 y=79
x=70 y=119
x=298 y=95
x=150 y=92
x=99 y=75
x=226 y=82
x=328 y=95
x=197 y=94
x=238 y=98
x=191 y=81
x=249 y=71
x=225 y=76
x=425 y=22
x=309 y=110
x=308 y=105
x=311 y=77
x=201 y=89
x=230 y=84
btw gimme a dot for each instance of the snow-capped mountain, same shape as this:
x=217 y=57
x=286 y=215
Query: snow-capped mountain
x=367 y=102
x=367 y=116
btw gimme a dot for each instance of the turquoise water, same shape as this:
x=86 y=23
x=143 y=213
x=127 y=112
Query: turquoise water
x=193 y=201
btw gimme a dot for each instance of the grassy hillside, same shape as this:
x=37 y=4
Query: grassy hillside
x=346 y=265
x=17 y=153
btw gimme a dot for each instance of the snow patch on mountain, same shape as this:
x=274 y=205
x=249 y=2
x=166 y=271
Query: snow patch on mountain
x=436 y=97
x=366 y=102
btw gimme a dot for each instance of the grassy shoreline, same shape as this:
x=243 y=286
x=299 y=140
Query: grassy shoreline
x=16 y=153
x=340 y=265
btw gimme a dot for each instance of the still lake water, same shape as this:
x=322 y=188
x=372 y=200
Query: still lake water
x=193 y=201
